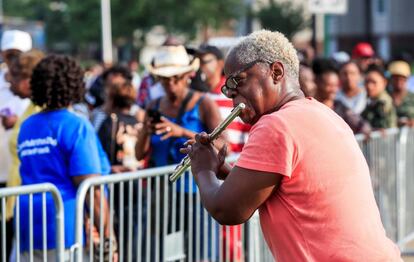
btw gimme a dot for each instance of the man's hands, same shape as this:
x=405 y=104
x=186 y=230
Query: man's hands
x=203 y=155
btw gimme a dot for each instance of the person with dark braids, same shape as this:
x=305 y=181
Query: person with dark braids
x=59 y=147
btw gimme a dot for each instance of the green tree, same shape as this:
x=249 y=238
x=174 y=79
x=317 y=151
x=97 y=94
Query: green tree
x=282 y=16
x=79 y=24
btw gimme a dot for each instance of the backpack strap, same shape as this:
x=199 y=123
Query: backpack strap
x=179 y=121
x=183 y=106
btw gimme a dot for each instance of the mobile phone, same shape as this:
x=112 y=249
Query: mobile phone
x=155 y=115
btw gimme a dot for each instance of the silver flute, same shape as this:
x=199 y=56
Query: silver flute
x=186 y=162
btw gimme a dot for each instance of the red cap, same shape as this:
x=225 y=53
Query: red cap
x=363 y=49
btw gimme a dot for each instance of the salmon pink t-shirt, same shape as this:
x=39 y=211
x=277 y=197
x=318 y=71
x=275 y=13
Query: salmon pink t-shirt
x=324 y=208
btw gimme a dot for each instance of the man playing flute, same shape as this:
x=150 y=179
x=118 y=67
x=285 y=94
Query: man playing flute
x=301 y=167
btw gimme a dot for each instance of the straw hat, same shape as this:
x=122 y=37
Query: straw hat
x=400 y=68
x=171 y=61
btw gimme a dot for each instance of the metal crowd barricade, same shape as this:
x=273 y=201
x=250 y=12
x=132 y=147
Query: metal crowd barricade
x=155 y=220
x=381 y=152
x=390 y=156
x=256 y=245
x=31 y=190
x=406 y=192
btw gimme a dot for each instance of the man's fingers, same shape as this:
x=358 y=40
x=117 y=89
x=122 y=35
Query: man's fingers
x=186 y=150
x=222 y=153
x=203 y=138
x=189 y=142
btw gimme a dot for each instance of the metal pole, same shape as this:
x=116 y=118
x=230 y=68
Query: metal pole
x=1 y=12
x=106 y=32
x=249 y=18
x=368 y=21
x=314 y=28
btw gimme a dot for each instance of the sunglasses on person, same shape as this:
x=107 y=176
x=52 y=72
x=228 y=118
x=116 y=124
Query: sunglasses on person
x=207 y=61
x=232 y=82
x=175 y=78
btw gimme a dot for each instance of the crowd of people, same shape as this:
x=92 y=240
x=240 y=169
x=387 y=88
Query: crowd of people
x=366 y=92
x=64 y=125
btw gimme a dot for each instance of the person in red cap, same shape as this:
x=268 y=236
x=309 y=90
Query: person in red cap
x=364 y=54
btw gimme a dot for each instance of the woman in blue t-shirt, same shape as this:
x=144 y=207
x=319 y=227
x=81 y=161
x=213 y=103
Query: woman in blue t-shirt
x=59 y=147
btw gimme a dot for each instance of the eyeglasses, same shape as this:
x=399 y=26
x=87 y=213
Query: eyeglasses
x=232 y=82
x=175 y=78
x=207 y=61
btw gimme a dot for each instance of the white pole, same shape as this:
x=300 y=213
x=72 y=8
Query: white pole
x=106 y=32
x=1 y=12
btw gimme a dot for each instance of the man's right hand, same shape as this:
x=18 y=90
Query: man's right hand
x=224 y=168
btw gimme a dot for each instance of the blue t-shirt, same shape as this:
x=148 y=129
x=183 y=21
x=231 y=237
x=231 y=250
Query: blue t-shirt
x=54 y=146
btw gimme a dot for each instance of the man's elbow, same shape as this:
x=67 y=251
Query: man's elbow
x=230 y=217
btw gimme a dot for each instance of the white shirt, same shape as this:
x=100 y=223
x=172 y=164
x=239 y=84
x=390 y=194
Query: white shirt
x=356 y=103
x=15 y=106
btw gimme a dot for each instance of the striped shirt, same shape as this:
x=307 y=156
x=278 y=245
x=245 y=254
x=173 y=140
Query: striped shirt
x=237 y=132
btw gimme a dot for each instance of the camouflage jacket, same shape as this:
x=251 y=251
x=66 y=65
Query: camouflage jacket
x=380 y=112
x=406 y=108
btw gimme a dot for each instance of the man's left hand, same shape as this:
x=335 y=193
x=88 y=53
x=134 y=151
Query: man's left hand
x=203 y=155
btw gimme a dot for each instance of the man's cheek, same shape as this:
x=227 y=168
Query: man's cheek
x=210 y=68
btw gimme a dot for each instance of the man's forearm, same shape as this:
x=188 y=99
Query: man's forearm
x=209 y=185
x=224 y=171
x=98 y=213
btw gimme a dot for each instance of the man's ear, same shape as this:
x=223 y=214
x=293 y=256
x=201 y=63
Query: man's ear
x=278 y=71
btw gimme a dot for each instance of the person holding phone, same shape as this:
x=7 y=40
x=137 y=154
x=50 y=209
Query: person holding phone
x=174 y=118
x=177 y=116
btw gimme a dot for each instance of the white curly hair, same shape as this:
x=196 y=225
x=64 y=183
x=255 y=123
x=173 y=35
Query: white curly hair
x=267 y=46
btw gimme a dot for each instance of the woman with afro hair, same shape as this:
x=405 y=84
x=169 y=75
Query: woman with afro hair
x=59 y=147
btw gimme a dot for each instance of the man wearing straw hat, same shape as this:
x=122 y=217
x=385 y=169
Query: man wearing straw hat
x=172 y=119
x=301 y=167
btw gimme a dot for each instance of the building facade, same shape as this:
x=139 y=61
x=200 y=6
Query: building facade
x=387 y=24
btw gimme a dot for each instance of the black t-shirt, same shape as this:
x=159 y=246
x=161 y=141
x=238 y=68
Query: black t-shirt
x=115 y=132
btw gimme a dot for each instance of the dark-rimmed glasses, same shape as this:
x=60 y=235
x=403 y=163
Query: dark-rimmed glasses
x=175 y=78
x=232 y=82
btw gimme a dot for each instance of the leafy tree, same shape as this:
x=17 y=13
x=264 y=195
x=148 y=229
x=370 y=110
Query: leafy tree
x=80 y=23
x=283 y=17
